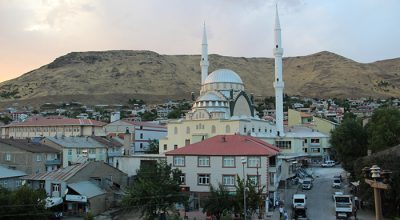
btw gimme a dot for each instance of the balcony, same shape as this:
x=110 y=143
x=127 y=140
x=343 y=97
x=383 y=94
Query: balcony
x=114 y=153
x=314 y=144
x=53 y=162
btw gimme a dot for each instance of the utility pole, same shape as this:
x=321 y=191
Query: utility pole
x=244 y=161
x=377 y=186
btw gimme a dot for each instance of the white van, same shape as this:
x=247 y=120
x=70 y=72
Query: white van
x=328 y=163
x=299 y=200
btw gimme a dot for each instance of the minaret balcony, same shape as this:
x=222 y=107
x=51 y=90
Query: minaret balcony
x=279 y=84
x=278 y=51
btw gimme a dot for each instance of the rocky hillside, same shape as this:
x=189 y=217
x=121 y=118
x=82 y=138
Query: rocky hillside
x=110 y=77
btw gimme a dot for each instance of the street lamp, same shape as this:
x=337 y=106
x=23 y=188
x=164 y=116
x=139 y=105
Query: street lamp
x=244 y=161
x=376 y=175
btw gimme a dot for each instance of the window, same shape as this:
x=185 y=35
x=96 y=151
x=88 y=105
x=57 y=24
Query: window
x=141 y=136
x=227 y=129
x=18 y=183
x=284 y=144
x=203 y=161
x=252 y=130
x=305 y=141
x=254 y=179
x=8 y=156
x=38 y=157
x=316 y=150
x=213 y=129
x=228 y=180
x=228 y=162
x=253 y=162
x=92 y=151
x=141 y=145
x=175 y=146
x=179 y=161
x=188 y=130
x=69 y=152
x=187 y=142
x=315 y=140
x=183 y=179
x=55 y=187
x=165 y=147
x=175 y=130
x=203 y=179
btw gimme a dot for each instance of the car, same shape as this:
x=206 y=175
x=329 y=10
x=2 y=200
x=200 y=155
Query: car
x=337 y=183
x=337 y=194
x=328 y=163
x=307 y=184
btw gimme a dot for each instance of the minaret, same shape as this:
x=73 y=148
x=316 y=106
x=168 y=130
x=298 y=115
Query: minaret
x=204 y=57
x=278 y=83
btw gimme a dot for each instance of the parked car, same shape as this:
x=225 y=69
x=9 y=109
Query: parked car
x=307 y=183
x=337 y=183
x=328 y=163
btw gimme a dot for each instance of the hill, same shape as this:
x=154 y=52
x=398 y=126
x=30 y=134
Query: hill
x=109 y=77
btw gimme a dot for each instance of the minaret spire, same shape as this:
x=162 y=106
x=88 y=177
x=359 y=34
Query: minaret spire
x=204 y=56
x=278 y=83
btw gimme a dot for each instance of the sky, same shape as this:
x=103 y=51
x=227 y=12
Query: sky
x=35 y=32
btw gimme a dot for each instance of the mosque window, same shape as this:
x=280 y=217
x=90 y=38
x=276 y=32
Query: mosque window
x=227 y=129
x=213 y=130
x=175 y=130
x=245 y=130
x=259 y=129
x=252 y=129
x=265 y=130
x=187 y=130
x=276 y=46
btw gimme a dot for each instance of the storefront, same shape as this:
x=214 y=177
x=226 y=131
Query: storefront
x=75 y=205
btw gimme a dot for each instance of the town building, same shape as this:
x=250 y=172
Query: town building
x=29 y=156
x=77 y=189
x=141 y=133
x=10 y=178
x=52 y=126
x=224 y=159
x=77 y=149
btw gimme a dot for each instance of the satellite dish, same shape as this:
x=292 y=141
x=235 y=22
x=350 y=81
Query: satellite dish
x=66 y=191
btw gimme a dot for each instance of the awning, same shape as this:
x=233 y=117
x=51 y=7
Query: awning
x=53 y=201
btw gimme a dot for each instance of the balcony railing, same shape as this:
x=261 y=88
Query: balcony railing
x=115 y=153
x=53 y=162
x=314 y=144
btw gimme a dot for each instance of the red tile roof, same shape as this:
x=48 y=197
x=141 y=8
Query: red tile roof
x=42 y=121
x=228 y=145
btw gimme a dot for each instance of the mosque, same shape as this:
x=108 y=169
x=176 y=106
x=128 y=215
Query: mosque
x=224 y=107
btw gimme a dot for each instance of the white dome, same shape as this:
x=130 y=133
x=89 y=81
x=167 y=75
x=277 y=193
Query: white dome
x=223 y=76
x=210 y=97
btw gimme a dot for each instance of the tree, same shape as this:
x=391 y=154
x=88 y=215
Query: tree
x=253 y=196
x=148 y=115
x=24 y=203
x=153 y=147
x=219 y=202
x=349 y=140
x=384 y=129
x=155 y=190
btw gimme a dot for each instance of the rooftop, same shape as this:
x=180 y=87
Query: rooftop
x=28 y=145
x=76 y=142
x=228 y=145
x=9 y=173
x=62 y=174
x=87 y=188
x=51 y=121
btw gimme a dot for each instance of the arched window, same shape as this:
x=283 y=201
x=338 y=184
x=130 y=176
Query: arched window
x=213 y=130
x=227 y=129
x=187 y=130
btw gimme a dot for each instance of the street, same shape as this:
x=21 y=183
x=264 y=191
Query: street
x=320 y=203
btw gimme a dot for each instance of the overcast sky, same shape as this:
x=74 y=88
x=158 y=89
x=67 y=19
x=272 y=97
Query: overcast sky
x=35 y=32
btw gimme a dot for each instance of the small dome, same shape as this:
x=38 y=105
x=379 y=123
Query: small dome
x=223 y=76
x=210 y=97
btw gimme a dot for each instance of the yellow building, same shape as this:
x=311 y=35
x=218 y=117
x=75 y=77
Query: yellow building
x=297 y=118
